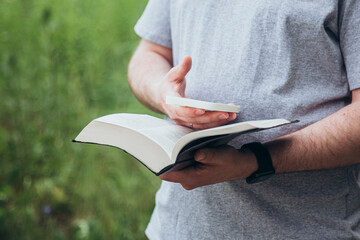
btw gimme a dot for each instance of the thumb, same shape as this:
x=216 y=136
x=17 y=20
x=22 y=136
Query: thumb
x=179 y=72
x=205 y=155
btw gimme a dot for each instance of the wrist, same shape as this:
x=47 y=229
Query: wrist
x=264 y=161
x=249 y=159
x=159 y=98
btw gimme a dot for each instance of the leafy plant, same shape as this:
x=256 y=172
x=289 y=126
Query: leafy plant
x=63 y=63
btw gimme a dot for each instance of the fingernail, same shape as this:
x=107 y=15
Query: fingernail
x=224 y=116
x=200 y=155
x=199 y=112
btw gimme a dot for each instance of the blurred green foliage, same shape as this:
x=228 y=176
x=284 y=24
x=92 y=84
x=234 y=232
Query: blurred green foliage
x=63 y=63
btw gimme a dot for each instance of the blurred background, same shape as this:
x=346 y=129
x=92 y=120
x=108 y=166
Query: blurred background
x=62 y=64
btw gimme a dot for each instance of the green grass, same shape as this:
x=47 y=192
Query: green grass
x=63 y=63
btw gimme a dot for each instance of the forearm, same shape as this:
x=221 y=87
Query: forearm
x=330 y=143
x=147 y=69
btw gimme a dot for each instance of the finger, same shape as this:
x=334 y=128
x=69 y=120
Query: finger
x=210 y=117
x=179 y=72
x=195 y=126
x=201 y=116
x=179 y=176
x=206 y=125
x=191 y=177
x=209 y=125
x=188 y=112
x=183 y=123
x=189 y=123
x=205 y=155
x=211 y=155
x=199 y=126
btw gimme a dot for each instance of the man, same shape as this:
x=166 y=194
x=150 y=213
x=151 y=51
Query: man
x=276 y=59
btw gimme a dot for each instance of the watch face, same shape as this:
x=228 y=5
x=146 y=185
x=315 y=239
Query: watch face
x=263 y=158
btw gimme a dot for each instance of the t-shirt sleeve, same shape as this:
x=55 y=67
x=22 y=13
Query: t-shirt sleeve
x=349 y=25
x=154 y=24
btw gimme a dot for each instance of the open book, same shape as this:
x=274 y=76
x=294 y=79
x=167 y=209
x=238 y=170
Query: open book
x=162 y=145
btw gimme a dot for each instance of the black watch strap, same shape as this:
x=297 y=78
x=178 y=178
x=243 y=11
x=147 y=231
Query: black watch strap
x=263 y=158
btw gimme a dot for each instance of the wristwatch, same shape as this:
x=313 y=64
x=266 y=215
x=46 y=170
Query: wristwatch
x=263 y=158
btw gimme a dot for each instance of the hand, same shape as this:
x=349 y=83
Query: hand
x=174 y=84
x=215 y=165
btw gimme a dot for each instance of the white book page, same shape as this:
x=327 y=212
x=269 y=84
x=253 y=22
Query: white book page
x=163 y=132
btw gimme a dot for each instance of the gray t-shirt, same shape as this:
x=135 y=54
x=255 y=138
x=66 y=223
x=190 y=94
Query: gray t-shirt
x=296 y=59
